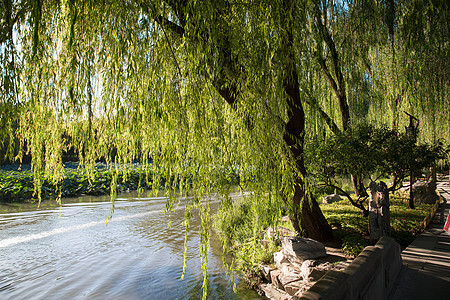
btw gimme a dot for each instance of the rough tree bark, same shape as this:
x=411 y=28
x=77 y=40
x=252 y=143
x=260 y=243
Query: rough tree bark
x=312 y=220
x=306 y=210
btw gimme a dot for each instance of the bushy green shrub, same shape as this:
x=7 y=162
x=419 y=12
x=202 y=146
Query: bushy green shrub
x=367 y=153
x=241 y=223
x=19 y=185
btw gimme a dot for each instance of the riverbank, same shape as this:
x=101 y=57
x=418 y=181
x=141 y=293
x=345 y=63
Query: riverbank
x=17 y=182
x=349 y=226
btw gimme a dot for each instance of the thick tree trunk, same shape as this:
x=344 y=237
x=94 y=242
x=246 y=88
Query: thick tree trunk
x=307 y=217
x=312 y=219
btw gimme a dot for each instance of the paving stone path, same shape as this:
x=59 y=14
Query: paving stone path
x=426 y=270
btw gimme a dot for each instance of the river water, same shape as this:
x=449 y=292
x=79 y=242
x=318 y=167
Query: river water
x=71 y=252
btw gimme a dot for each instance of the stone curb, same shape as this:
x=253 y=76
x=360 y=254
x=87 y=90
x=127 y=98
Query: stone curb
x=430 y=216
x=371 y=275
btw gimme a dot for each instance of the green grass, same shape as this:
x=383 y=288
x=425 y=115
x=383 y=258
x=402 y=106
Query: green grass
x=352 y=228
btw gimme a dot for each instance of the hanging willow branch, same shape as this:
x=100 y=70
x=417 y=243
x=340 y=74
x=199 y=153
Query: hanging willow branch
x=198 y=90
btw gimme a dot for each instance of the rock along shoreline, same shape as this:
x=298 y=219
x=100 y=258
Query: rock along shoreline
x=300 y=263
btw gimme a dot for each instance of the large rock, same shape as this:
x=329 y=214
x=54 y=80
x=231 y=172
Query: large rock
x=299 y=249
x=280 y=258
x=304 y=288
x=425 y=192
x=272 y=292
x=265 y=271
x=288 y=269
x=331 y=198
x=288 y=279
x=289 y=274
x=274 y=278
x=293 y=287
x=306 y=269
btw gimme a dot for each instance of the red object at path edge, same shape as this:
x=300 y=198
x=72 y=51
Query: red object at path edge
x=447 y=223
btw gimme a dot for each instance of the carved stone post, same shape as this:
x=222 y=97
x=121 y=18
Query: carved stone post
x=379 y=215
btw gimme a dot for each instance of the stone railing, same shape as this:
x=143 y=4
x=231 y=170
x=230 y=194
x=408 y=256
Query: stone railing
x=430 y=216
x=371 y=275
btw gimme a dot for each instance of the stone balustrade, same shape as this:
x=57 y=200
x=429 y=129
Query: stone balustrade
x=371 y=275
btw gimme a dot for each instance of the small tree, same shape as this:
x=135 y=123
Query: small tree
x=369 y=153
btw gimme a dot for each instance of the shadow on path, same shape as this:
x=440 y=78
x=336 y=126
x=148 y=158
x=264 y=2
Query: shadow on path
x=426 y=262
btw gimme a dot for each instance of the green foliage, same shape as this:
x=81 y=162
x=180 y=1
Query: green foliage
x=19 y=185
x=240 y=224
x=149 y=79
x=248 y=259
x=244 y=218
x=350 y=225
x=406 y=223
x=366 y=151
x=197 y=89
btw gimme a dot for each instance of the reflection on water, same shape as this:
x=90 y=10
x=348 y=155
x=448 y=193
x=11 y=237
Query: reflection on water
x=71 y=252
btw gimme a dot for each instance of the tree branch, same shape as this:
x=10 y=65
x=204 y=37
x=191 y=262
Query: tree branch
x=6 y=28
x=356 y=204
x=338 y=85
x=163 y=22
x=150 y=10
x=221 y=82
x=327 y=73
x=172 y=52
x=313 y=103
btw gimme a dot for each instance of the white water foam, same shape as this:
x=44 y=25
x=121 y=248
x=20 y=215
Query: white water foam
x=27 y=238
x=31 y=237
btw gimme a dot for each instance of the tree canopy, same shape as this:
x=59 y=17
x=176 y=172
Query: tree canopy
x=205 y=89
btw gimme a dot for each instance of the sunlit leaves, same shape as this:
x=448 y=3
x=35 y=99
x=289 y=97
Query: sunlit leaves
x=195 y=88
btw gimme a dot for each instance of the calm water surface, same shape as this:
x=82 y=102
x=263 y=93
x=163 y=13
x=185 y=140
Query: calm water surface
x=71 y=252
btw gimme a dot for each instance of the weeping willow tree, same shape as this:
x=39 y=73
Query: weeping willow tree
x=413 y=68
x=199 y=90
x=368 y=61
x=363 y=57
